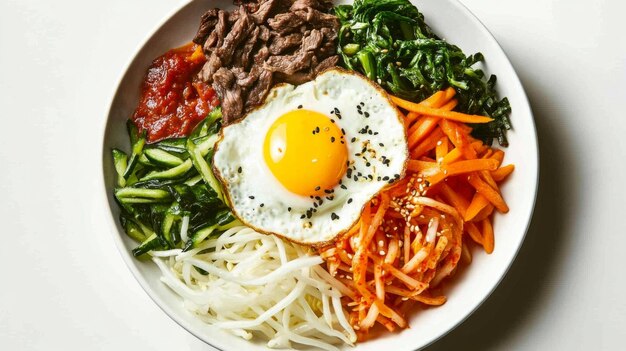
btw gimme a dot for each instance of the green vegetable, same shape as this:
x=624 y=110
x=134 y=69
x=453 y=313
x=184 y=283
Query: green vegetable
x=162 y=183
x=389 y=42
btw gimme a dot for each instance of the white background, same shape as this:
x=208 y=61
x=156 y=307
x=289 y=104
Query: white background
x=63 y=285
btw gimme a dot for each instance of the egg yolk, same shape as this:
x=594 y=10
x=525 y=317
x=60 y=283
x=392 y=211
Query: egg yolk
x=306 y=152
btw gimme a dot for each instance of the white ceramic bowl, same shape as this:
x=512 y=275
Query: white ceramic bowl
x=450 y=20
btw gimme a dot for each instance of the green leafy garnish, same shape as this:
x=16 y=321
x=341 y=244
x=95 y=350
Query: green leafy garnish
x=389 y=42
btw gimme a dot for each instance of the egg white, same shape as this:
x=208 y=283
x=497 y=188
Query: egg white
x=260 y=201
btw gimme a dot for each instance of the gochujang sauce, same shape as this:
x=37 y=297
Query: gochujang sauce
x=173 y=100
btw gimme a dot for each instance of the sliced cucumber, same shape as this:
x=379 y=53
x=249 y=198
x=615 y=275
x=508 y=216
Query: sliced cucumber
x=172 y=173
x=162 y=158
x=120 y=161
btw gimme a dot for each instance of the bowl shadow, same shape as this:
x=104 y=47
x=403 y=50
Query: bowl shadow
x=523 y=292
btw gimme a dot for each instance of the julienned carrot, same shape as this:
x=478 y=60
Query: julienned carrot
x=501 y=173
x=425 y=125
x=488 y=192
x=422 y=166
x=413 y=234
x=474 y=233
x=478 y=203
x=458 y=138
x=442 y=149
x=459 y=202
x=498 y=155
x=428 y=111
x=461 y=167
x=427 y=144
x=488 y=239
x=484 y=213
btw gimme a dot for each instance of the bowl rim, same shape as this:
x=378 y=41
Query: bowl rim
x=174 y=315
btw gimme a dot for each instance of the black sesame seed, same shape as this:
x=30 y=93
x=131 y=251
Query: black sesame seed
x=328 y=191
x=385 y=178
x=251 y=197
x=366 y=114
x=359 y=174
x=344 y=187
x=375 y=133
x=342 y=142
x=371 y=177
x=332 y=139
x=334 y=216
x=369 y=132
x=288 y=209
x=239 y=170
x=261 y=205
x=355 y=178
x=349 y=172
x=350 y=200
x=343 y=131
x=368 y=164
x=318 y=198
x=317 y=129
x=310 y=224
x=378 y=178
x=303 y=217
x=396 y=176
x=359 y=112
x=330 y=198
x=299 y=106
x=317 y=188
x=362 y=103
x=352 y=140
x=315 y=204
x=309 y=213
x=320 y=202
x=332 y=121
x=381 y=144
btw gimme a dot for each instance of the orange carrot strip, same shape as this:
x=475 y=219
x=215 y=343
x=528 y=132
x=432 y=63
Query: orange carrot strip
x=425 y=125
x=421 y=166
x=488 y=192
x=454 y=198
x=421 y=129
x=458 y=138
x=427 y=144
x=484 y=213
x=410 y=118
x=451 y=115
x=474 y=233
x=478 y=203
x=501 y=173
x=441 y=149
x=432 y=301
x=486 y=176
x=461 y=167
x=498 y=155
x=450 y=105
x=452 y=156
x=488 y=239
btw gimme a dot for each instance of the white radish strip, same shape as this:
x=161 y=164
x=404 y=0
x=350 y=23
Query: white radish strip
x=184 y=227
x=166 y=253
x=431 y=234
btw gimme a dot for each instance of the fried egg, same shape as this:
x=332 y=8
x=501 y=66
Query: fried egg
x=304 y=164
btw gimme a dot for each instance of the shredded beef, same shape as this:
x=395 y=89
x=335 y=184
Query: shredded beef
x=264 y=42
